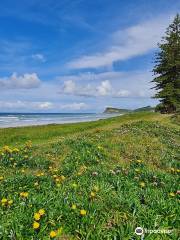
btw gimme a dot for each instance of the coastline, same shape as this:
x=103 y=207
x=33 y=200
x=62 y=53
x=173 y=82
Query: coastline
x=17 y=121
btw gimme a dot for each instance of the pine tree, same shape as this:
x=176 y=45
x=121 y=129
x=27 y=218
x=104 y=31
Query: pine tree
x=167 y=69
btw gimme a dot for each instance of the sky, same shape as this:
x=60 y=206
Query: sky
x=80 y=55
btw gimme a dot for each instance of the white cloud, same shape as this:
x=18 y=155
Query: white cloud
x=89 y=90
x=125 y=44
x=39 y=57
x=44 y=105
x=104 y=88
x=123 y=93
x=74 y=106
x=26 y=81
x=40 y=106
x=69 y=86
x=112 y=84
x=6 y=105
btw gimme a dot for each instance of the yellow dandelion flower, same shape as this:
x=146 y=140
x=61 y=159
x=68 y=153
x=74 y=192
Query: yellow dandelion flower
x=41 y=212
x=142 y=184
x=4 y=201
x=74 y=185
x=63 y=178
x=74 y=206
x=24 y=194
x=10 y=202
x=83 y=212
x=171 y=194
x=36 y=225
x=7 y=149
x=1 y=178
x=92 y=194
x=53 y=234
x=37 y=216
x=139 y=161
x=16 y=150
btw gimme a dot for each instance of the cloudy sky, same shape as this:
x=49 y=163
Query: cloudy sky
x=79 y=55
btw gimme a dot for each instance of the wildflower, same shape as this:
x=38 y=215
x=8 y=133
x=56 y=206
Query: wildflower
x=74 y=185
x=99 y=147
x=92 y=194
x=112 y=172
x=1 y=178
x=57 y=180
x=41 y=212
x=15 y=150
x=53 y=234
x=172 y=194
x=37 y=216
x=23 y=171
x=4 y=201
x=83 y=212
x=28 y=144
x=142 y=184
x=94 y=174
x=24 y=194
x=63 y=178
x=10 y=202
x=139 y=161
x=73 y=206
x=36 y=184
x=40 y=174
x=36 y=225
x=7 y=149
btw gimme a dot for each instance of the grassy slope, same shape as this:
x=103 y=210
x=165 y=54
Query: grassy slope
x=38 y=134
x=103 y=154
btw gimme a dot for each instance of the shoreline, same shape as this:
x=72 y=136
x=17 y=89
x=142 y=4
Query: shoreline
x=61 y=122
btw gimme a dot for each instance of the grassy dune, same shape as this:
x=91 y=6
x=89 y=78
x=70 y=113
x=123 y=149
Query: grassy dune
x=97 y=180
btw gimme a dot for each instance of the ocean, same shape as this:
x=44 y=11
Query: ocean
x=29 y=119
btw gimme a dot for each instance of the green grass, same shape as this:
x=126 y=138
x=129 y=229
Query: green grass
x=122 y=171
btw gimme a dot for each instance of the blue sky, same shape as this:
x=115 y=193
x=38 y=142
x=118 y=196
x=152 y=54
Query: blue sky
x=79 y=55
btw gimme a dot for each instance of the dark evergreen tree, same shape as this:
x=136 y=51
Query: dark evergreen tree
x=167 y=69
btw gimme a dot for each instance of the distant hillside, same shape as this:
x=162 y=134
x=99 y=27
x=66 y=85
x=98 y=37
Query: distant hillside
x=115 y=110
x=147 y=108
x=119 y=110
